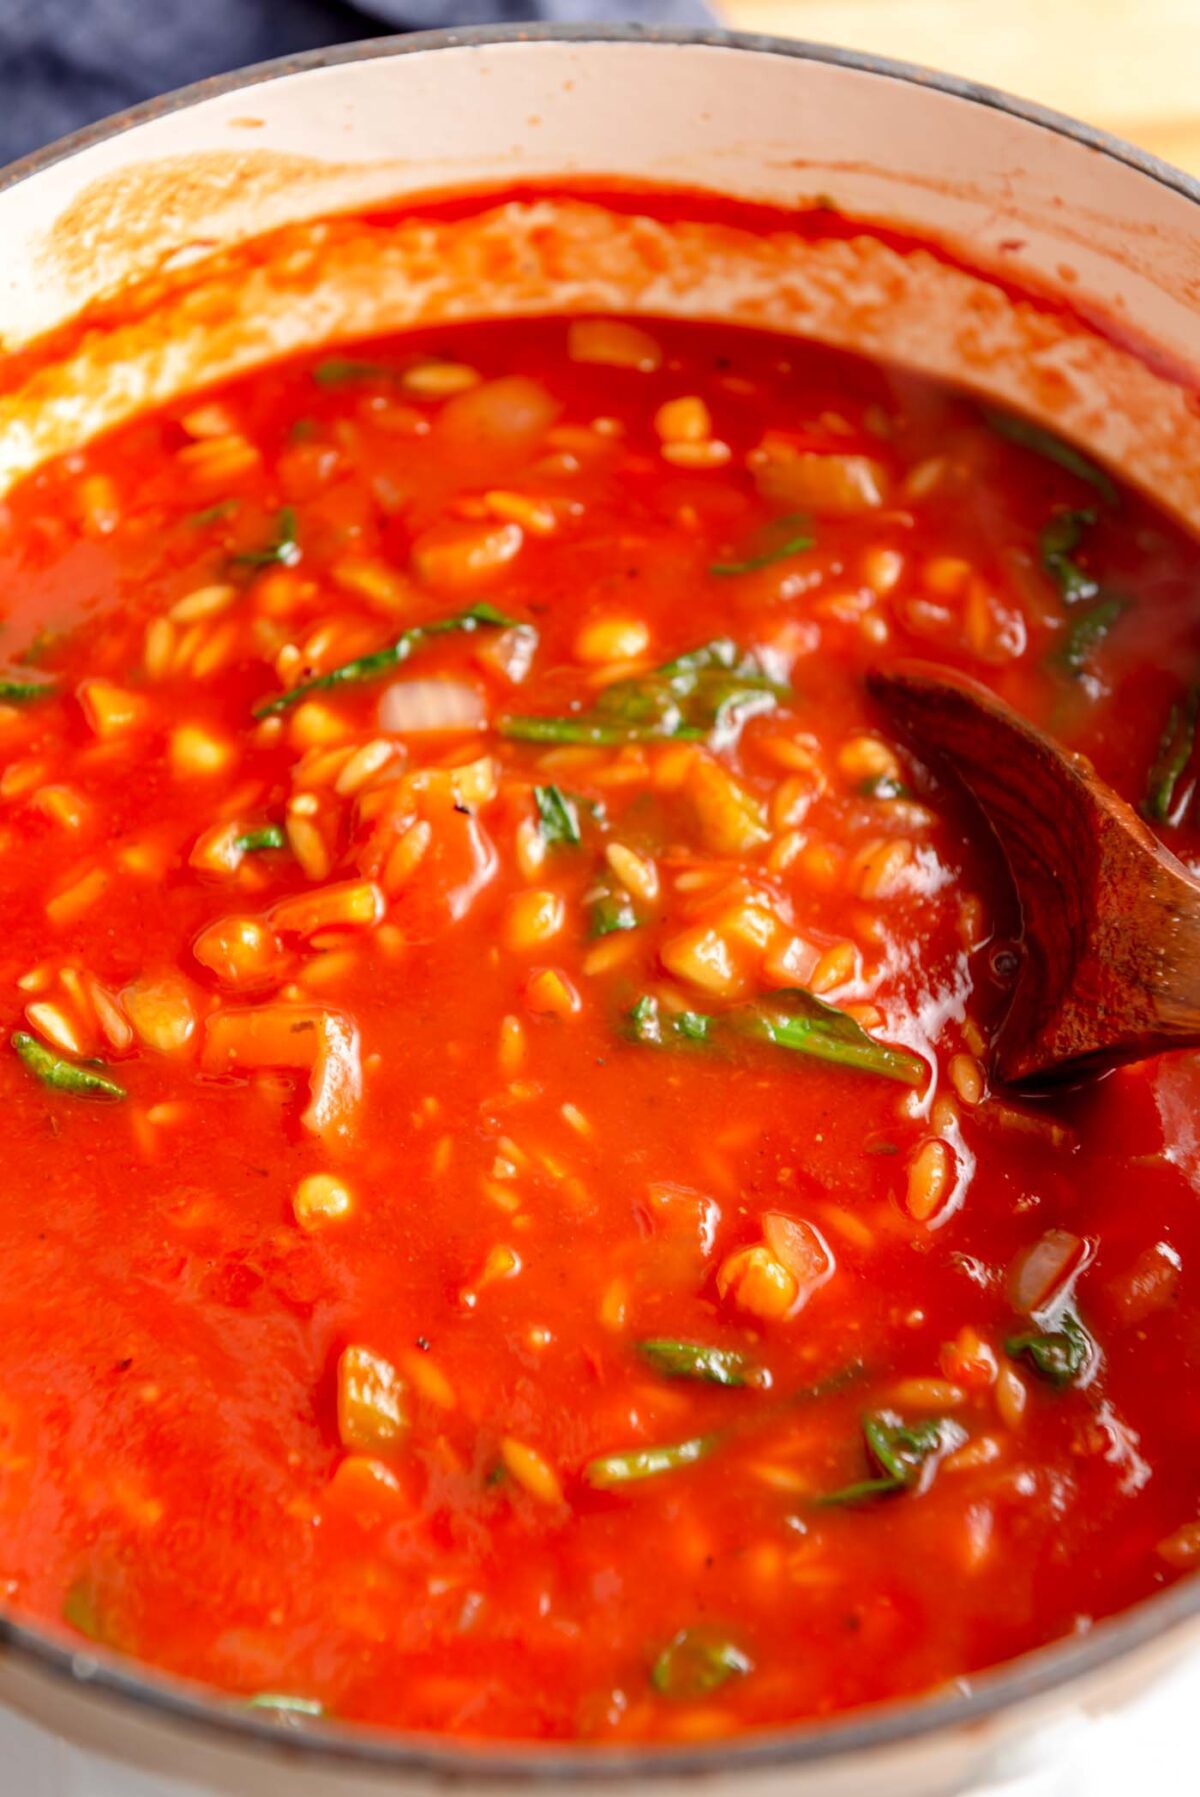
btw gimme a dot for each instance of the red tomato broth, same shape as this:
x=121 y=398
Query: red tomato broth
x=184 y=1469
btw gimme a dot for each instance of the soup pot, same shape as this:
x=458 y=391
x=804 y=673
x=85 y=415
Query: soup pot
x=135 y=267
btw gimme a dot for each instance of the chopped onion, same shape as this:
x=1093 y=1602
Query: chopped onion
x=1151 y=1284
x=509 y=653
x=410 y=706
x=1040 y=1273
x=834 y=486
x=497 y=423
x=803 y=1250
x=335 y=1085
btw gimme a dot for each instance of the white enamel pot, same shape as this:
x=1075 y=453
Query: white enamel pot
x=169 y=195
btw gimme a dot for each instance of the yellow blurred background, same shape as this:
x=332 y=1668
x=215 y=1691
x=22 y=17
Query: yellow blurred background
x=1130 y=66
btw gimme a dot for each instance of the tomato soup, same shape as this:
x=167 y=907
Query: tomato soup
x=507 y=1230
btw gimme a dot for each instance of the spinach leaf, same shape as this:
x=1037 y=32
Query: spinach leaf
x=697 y=1662
x=898 y=1449
x=283 y=549
x=372 y=667
x=801 y=1021
x=777 y=547
x=1028 y=435
x=26 y=692
x=651 y=1023
x=883 y=786
x=904 y=1455
x=1059 y=540
x=710 y=688
x=82 y=1611
x=610 y=908
x=693 y=1360
x=1175 y=752
x=792 y=1019
x=336 y=371
x=255 y=842
x=1060 y=1356
x=825 y=1387
x=1088 y=632
x=631 y=1465
x=44 y=643
x=61 y=1075
x=558 y=818
x=96 y=1606
x=212 y=514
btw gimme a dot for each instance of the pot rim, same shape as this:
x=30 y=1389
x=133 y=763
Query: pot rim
x=467 y=37
x=1039 y=1674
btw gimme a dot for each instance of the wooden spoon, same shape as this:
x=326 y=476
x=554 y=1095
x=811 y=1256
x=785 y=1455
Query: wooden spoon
x=1110 y=936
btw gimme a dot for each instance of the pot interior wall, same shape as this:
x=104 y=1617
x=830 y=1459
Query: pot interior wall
x=166 y=210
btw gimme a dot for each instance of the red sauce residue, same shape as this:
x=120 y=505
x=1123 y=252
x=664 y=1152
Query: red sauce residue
x=815 y=218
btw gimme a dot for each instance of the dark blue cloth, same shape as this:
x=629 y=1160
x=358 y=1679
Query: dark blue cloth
x=65 y=63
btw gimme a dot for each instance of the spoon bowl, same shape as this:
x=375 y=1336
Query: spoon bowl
x=1110 y=919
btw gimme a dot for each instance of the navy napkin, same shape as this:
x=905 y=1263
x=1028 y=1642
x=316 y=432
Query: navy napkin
x=65 y=63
